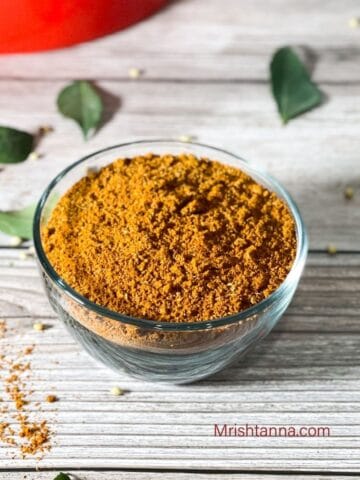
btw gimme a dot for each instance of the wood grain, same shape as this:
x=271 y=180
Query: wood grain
x=313 y=156
x=93 y=427
x=127 y=475
x=205 y=73
x=302 y=374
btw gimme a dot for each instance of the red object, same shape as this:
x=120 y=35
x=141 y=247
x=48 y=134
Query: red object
x=30 y=25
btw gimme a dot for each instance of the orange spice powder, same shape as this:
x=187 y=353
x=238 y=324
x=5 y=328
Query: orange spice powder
x=16 y=428
x=171 y=238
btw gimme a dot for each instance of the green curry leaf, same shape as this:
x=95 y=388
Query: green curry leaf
x=15 y=145
x=292 y=87
x=62 y=476
x=81 y=102
x=18 y=223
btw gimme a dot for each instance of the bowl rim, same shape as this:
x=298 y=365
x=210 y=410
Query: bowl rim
x=293 y=275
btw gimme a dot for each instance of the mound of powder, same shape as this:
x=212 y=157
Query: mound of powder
x=171 y=238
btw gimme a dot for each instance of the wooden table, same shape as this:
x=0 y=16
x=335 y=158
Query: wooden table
x=205 y=66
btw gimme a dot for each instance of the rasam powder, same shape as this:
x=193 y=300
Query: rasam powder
x=171 y=238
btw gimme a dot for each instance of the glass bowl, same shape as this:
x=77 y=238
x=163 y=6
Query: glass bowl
x=162 y=351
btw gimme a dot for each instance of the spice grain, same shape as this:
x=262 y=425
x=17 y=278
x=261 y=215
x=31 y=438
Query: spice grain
x=18 y=427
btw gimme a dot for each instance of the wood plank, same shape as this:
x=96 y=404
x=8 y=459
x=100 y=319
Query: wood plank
x=269 y=365
x=328 y=298
x=128 y=475
x=206 y=72
x=315 y=156
x=200 y=39
x=298 y=376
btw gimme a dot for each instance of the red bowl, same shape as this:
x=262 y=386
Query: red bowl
x=30 y=25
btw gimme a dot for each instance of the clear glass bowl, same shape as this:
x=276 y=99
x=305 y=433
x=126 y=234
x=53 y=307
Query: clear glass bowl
x=162 y=351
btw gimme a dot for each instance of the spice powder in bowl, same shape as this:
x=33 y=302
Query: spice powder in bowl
x=171 y=238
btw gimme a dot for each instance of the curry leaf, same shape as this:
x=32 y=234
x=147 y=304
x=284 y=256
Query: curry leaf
x=18 y=223
x=62 y=476
x=81 y=102
x=15 y=145
x=292 y=87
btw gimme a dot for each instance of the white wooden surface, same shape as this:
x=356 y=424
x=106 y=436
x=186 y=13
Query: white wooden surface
x=205 y=65
x=96 y=475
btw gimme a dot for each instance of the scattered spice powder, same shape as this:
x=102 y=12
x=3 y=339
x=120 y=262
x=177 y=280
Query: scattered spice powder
x=36 y=435
x=171 y=238
x=51 y=398
x=2 y=329
x=17 y=429
x=45 y=129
